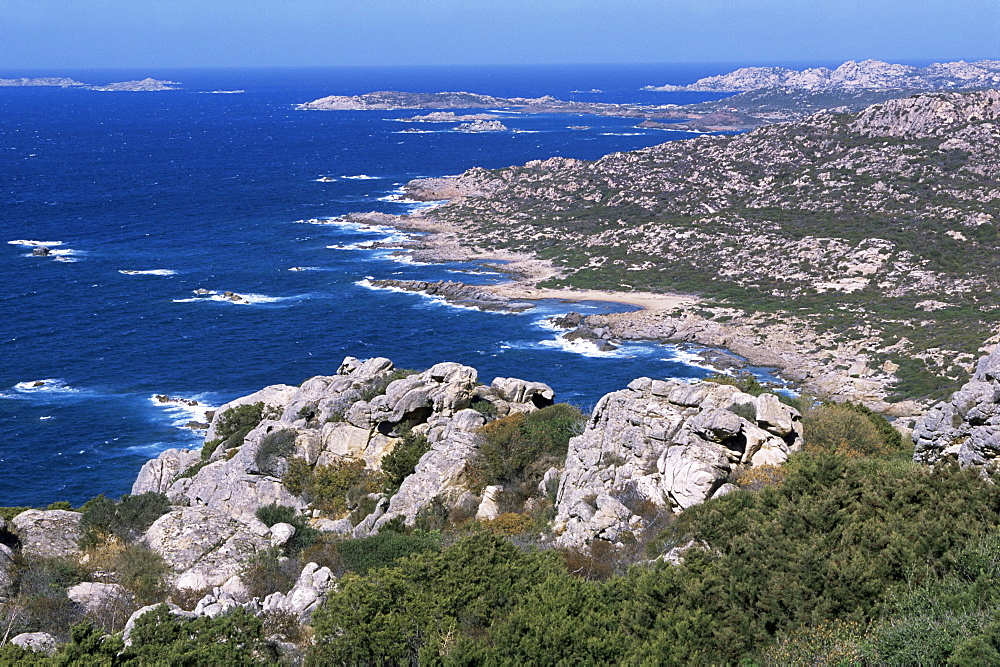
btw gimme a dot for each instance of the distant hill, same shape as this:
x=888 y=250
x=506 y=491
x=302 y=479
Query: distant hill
x=852 y=75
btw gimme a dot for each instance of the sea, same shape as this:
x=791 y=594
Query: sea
x=154 y=204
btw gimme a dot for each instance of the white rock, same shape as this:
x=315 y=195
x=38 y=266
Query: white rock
x=51 y=533
x=39 y=642
x=281 y=533
x=93 y=595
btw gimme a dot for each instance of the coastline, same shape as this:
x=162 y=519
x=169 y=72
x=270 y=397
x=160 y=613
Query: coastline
x=819 y=364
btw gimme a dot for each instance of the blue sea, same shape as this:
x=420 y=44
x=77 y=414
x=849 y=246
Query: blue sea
x=144 y=198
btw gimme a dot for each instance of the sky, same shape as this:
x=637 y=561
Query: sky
x=74 y=34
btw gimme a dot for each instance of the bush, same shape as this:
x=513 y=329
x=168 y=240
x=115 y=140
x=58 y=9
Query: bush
x=743 y=380
x=232 y=427
x=850 y=430
x=385 y=549
x=326 y=487
x=126 y=519
x=143 y=572
x=274 y=447
x=268 y=572
x=510 y=523
x=402 y=460
x=520 y=447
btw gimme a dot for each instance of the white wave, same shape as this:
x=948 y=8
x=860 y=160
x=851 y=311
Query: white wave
x=406 y=259
x=474 y=272
x=66 y=259
x=48 y=385
x=345 y=246
x=415 y=131
x=65 y=252
x=245 y=299
x=31 y=244
x=148 y=272
x=46 y=417
x=582 y=347
x=693 y=359
x=305 y=268
x=622 y=134
x=325 y=179
x=363 y=177
x=428 y=299
x=184 y=409
x=221 y=92
x=516 y=131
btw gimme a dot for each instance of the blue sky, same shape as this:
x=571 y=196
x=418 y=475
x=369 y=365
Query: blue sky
x=185 y=33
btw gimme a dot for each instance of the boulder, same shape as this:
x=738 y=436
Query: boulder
x=488 y=509
x=281 y=533
x=305 y=596
x=6 y=571
x=158 y=474
x=93 y=595
x=38 y=642
x=50 y=533
x=663 y=444
x=142 y=611
x=202 y=546
x=965 y=428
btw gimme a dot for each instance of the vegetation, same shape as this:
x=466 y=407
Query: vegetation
x=402 y=460
x=519 y=448
x=274 y=448
x=232 y=427
x=125 y=520
x=335 y=487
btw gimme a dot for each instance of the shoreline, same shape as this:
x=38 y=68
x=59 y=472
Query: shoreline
x=819 y=364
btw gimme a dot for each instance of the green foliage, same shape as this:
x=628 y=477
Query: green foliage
x=274 y=447
x=268 y=572
x=143 y=572
x=520 y=447
x=421 y=608
x=402 y=460
x=232 y=427
x=328 y=487
x=743 y=380
x=40 y=603
x=159 y=637
x=849 y=429
x=60 y=505
x=384 y=549
x=126 y=519
x=8 y=513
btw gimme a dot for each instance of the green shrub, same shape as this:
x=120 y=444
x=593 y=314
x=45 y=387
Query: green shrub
x=232 y=427
x=743 y=380
x=274 y=447
x=402 y=460
x=385 y=549
x=126 y=519
x=267 y=572
x=520 y=447
x=849 y=429
x=143 y=572
x=8 y=513
x=326 y=487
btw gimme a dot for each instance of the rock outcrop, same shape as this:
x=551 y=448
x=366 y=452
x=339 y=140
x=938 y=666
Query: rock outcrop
x=204 y=547
x=664 y=446
x=457 y=293
x=48 y=533
x=305 y=596
x=93 y=596
x=39 y=642
x=966 y=428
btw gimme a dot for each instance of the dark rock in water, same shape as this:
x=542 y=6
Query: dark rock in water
x=603 y=345
x=41 y=251
x=38 y=383
x=722 y=360
x=196 y=426
x=568 y=321
x=202 y=290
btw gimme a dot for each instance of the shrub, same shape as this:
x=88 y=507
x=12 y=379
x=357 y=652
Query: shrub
x=743 y=380
x=845 y=429
x=268 y=573
x=510 y=523
x=326 y=487
x=40 y=603
x=274 y=448
x=232 y=427
x=126 y=519
x=385 y=549
x=520 y=447
x=402 y=460
x=143 y=572
x=758 y=477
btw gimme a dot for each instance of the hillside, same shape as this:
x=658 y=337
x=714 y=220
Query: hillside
x=877 y=227
x=853 y=75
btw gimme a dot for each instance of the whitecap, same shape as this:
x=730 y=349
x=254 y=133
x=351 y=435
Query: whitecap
x=415 y=131
x=148 y=272
x=184 y=409
x=622 y=134
x=48 y=385
x=30 y=244
x=583 y=347
x=305 y=268
x=363 y=177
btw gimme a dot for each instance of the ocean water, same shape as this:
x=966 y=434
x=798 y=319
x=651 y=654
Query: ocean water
x=146 y=197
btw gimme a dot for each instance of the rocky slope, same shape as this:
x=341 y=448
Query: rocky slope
x=965 y=429
x=852 y=75
x=878 y=227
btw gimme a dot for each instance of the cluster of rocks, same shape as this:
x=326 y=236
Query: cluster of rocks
x=664 y=446
x=966 y=428
x=481 y=126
